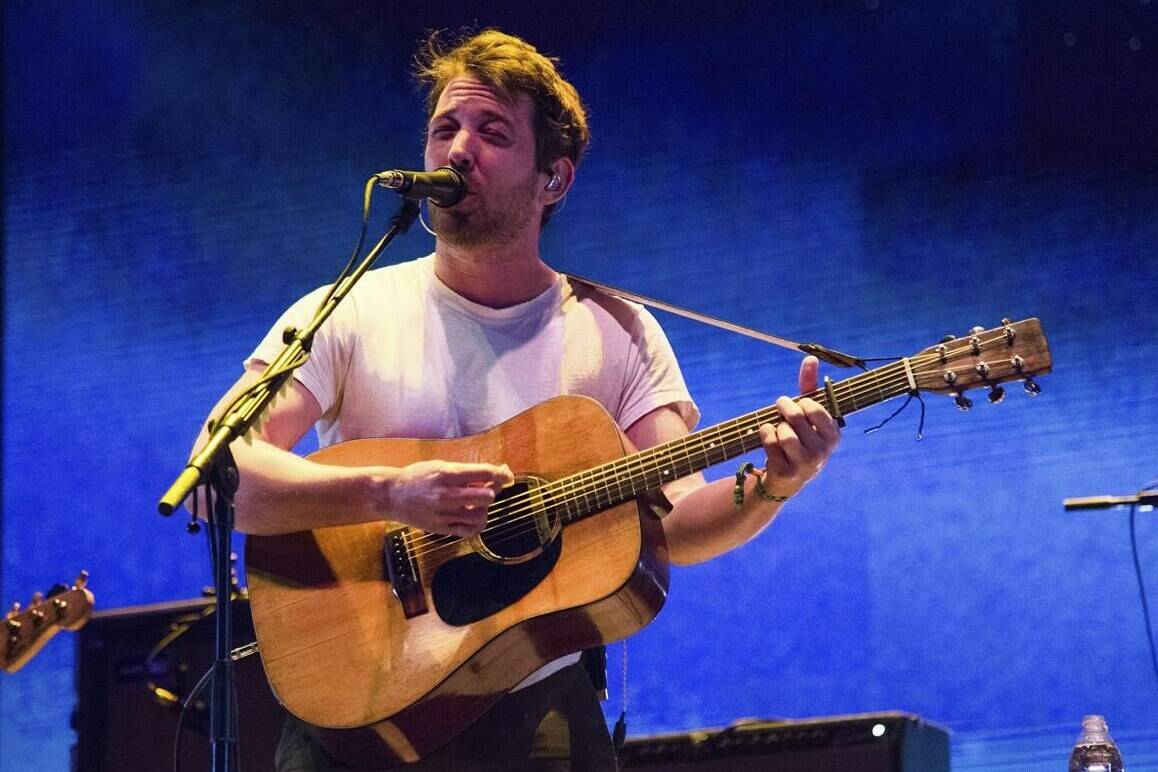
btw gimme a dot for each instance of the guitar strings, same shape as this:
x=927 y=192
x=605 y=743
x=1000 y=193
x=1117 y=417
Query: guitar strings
x=507 y=525
x=510 y=513
x=566 y=488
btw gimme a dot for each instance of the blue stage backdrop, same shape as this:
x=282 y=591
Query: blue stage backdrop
x=872 y=174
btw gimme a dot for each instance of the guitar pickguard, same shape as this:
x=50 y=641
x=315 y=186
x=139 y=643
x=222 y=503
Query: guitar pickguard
x=470 y=588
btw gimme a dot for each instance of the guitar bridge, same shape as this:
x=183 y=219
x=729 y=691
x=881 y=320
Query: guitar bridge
x=402 y=571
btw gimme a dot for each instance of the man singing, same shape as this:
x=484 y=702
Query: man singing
x=461 y=340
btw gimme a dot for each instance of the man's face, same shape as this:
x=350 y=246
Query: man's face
x=488 y=136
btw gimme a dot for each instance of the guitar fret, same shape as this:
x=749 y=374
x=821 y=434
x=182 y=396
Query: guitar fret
x=853 y=406
x=877 y=384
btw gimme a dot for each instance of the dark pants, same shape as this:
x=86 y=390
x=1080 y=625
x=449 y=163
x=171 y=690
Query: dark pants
x=555 y=725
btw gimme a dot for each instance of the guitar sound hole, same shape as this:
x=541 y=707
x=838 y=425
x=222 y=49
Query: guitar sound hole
x=471 y=588
x=520 y=522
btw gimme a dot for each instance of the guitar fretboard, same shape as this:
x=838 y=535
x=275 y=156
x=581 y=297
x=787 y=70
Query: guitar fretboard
x=615 y=482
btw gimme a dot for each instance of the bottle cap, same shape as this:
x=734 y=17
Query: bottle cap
x=1094 y=727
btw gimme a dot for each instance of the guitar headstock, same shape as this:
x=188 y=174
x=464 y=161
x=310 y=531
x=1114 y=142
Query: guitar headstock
x=26 y=631
x=1015 y=351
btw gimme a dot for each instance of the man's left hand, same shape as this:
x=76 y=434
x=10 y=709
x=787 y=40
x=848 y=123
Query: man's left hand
x=798 y=447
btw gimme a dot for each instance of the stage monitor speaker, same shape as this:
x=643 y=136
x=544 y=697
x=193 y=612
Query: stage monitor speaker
x=123 y=724
x=867 y=742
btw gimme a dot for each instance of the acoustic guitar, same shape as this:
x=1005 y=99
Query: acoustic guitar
x=391 y=640
x=27 y=630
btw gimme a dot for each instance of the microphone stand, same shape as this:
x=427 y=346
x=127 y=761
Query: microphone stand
x=214 y=466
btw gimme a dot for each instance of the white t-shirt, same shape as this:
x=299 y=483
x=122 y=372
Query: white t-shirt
x=405 y=356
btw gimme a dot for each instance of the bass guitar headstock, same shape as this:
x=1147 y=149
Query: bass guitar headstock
x=25 y=631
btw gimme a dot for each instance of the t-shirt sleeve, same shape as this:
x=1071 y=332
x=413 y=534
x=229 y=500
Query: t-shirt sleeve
x=652 y=376
x=321 y=372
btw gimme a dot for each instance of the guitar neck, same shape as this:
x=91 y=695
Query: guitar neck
x=618 y=481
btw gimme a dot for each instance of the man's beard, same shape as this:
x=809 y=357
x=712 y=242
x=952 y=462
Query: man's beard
x=492 y=222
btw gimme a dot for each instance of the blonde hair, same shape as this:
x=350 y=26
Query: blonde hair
x=514 y=67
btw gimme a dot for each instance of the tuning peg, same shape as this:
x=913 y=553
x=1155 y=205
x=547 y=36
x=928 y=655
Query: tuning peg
x=996 y=394
x=1031 y=387
x=948 y=339
x=1010 y=333
x=976 y=330
x=15 y=609
x=81 y=579
x=37 y=597
x=963 y=402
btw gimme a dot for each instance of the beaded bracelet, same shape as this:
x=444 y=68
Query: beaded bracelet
x=738 y=489
x=764 y=494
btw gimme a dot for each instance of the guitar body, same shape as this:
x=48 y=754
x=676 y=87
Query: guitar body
x=340 y=650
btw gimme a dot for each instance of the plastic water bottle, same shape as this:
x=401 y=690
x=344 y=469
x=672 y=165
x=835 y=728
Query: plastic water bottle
x=1095 y=750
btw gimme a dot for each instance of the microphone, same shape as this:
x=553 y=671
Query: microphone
x=1109 y=502
x=444 y=186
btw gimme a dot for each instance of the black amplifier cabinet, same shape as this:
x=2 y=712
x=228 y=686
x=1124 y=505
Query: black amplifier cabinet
x=124 y=723
x=867 y=742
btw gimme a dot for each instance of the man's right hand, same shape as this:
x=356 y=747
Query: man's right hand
x=445 y=497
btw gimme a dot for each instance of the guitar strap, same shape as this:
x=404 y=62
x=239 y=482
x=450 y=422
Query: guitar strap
x=823 y=353
x=594 y=660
